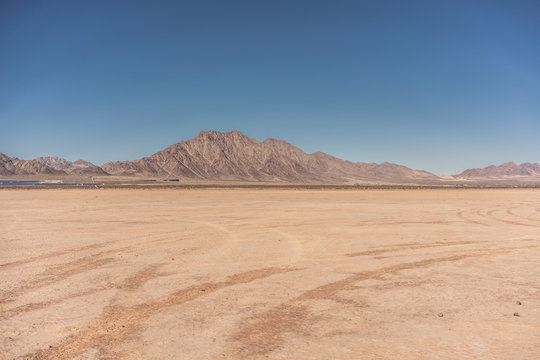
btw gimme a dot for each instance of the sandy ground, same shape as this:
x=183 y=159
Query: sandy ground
x=279 y=274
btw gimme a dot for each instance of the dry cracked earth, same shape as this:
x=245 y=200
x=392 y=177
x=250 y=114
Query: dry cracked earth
x=277 y=274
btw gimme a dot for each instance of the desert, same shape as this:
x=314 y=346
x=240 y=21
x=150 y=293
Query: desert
x=269 y=273
x=286 y=180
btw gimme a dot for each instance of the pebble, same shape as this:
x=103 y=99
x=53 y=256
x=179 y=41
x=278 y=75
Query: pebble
x=518 y=302
x=516 y=314
x=441 y=315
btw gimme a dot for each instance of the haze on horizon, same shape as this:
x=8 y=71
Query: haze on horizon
x=441 y=86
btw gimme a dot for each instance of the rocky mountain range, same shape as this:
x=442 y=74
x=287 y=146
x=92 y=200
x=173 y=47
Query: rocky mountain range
x=10 y=166
x=506 y=170
x=15 y=166
x=79 y=167
x=63 y=164
x=214 y=155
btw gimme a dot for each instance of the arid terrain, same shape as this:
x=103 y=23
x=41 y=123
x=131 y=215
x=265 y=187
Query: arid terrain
x=271 y=273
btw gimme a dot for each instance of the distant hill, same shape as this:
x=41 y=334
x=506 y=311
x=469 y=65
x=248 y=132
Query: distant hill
x=214 y=155
x=10 y=166
x=15 y=166
x=79 y=167
x=506 y=170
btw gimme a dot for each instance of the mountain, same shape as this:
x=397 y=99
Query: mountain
x=55 y=162
x=79 y=167
x=47 y=166
x=15 y=166
x=63 y=164
x=506 y=170
x=214 y=155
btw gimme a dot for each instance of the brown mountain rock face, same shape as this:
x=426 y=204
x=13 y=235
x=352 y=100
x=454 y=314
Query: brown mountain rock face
x=213 y=155
x=81 y=164
x=79 y=167
x=509 y=169
x=55 y=162
x=15 y=166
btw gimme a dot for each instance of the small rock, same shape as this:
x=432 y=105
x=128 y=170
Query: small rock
x=203 y=289
x=516 y=314
x=50 y=346
x=518 y=302
x=123 y=326
x=172 y=259
x=440 y=315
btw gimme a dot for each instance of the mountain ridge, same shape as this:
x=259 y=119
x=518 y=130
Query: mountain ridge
x=214 y=155
x=505 y=170
x=50 y=165
x=79 y=167
x=224 y=156
x=15 y=166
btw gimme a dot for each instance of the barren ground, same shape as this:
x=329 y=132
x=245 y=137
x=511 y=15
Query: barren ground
x=279 y=274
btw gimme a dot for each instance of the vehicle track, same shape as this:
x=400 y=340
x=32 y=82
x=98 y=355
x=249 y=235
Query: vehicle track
x=491 y=212
x=120 y=323
x=402 y=247
x=263 y=333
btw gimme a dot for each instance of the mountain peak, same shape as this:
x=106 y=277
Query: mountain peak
x=212 y=134
x=214 y=155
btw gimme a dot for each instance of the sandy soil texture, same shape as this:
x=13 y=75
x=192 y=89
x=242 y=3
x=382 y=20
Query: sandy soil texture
x=279 y=274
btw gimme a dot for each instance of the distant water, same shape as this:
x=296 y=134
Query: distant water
x=39 y=183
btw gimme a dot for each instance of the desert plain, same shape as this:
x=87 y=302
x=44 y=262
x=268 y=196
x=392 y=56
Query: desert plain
x=270 y=274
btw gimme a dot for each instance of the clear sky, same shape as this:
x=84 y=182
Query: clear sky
x=437 y=85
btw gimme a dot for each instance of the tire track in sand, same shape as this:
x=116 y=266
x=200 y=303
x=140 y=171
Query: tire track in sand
x=60 y=272
x=511 y=222
x=469 y=219
x=117 y=324
x=77 y=249
x=130 y=284
x=144 y=238
x=411 y=246
x=510 y=211
x=263 y=333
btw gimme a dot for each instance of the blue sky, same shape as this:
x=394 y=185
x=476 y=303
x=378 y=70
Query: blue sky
x=435 y=85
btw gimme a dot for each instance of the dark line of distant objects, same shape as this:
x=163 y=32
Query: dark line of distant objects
x=266 y=186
